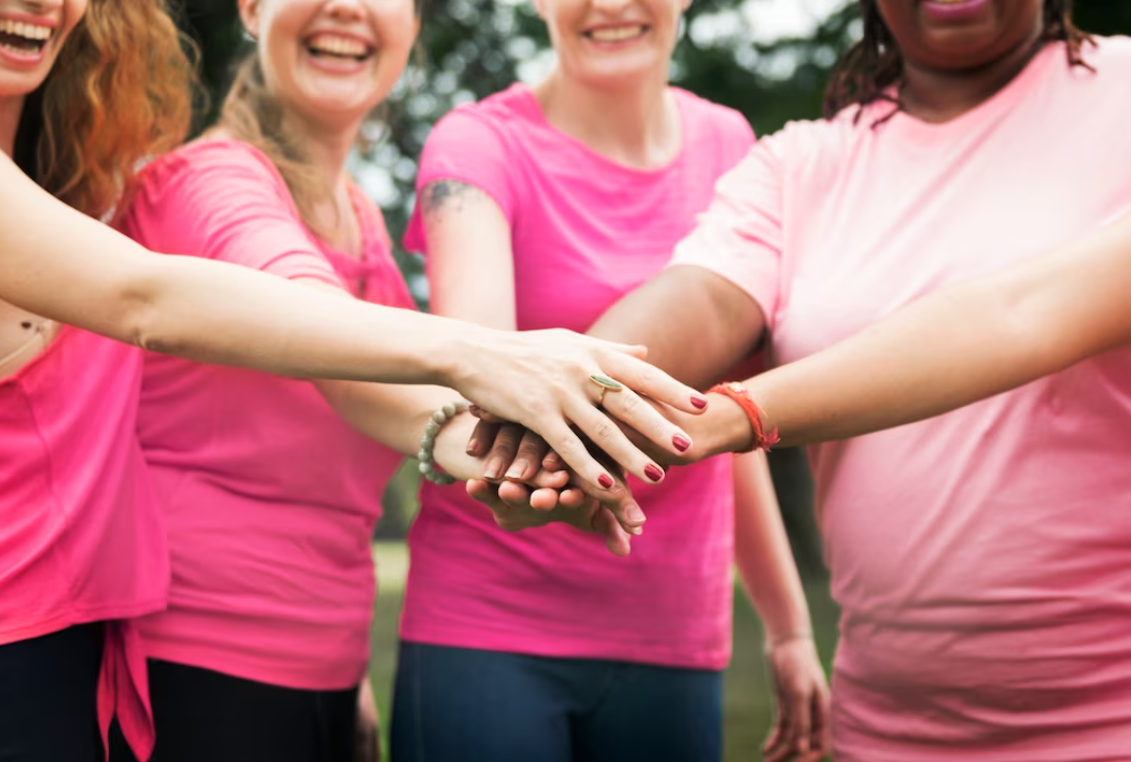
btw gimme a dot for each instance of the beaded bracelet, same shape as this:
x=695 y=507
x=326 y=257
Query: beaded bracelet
x=428 y=442
x=738 y=393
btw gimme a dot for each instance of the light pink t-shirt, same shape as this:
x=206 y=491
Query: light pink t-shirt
x=270 y=497
x=81 y=537
x=982 y=559
x=585 y=231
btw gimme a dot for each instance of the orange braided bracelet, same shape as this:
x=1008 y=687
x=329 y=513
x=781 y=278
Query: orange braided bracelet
x=738 y=393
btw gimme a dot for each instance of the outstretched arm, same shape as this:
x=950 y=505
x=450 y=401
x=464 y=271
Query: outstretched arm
x=60 y=264
x=960 y=344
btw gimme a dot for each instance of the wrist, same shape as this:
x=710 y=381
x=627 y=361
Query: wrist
x=755 y=435
x=773 y=642
x=450 y=450
x=723 y=428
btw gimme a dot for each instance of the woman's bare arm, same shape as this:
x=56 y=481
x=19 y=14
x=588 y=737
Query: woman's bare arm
x=58 y=263
x=960 y=344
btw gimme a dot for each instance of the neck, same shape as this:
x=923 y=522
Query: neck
x=11 y=108
x=636 y=126
x=326 y=148
x=935 y=95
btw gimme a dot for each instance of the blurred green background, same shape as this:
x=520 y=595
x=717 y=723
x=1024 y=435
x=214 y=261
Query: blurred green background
x=768 y=59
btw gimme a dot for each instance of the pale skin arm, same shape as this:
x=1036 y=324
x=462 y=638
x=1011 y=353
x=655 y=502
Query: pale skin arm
x=765 y=564
x=60 y=264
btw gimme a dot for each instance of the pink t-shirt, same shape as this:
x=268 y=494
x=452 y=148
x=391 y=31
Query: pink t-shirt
x=982 y=558
x=585 y=231
x=81 y=537
x=270 y=497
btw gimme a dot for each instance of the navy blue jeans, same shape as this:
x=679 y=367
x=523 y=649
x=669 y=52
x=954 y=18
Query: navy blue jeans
x=470 y=705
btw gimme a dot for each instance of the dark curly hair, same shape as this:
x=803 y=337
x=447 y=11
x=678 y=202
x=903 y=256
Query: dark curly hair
x=867 y=72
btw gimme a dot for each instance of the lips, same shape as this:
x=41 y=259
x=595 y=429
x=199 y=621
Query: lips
x=339 y=46
x=613 y=34
x=954 y=10
x=24 y=38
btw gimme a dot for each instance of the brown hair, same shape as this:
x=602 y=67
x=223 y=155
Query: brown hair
x=120 y=92
x=252 y=114
x=872 y=66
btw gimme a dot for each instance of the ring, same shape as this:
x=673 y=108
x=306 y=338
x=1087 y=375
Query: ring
x=606 y=384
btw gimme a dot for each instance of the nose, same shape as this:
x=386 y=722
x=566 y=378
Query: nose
x=610 y=7
x=345 y=10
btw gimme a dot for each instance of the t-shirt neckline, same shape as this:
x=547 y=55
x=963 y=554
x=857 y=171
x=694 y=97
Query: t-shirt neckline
x=1000 y=101
x=530 y=101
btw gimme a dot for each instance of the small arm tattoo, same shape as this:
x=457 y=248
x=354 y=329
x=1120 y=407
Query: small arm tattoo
x=447 y=194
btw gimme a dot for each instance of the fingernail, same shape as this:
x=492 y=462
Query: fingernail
x=681 y=442
x=634 y=514
x=492 y=470
x=605 y=481
x=654 y=472
x=636 y=531
x=471 y=443
x=473 y=409
x=516 y=471
x=699 y=401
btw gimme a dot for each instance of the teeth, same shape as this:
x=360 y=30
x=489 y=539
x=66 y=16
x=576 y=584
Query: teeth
x=616 y=34
x=337 y=45
x=27 y=31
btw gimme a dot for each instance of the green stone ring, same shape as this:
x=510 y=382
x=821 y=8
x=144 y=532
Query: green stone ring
x=606 y=383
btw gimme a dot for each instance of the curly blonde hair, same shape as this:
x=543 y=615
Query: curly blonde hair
x=120 y=92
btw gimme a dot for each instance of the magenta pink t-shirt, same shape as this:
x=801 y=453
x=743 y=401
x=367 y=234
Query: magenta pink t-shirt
x=270 y=497
x=585 y=231
x=982 y=558
x=81 y=537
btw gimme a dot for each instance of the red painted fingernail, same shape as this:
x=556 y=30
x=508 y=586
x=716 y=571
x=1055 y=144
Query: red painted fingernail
x=654 y=472
x=699 y=402
x=605 y=481
x=473 y=409
x=681 y=442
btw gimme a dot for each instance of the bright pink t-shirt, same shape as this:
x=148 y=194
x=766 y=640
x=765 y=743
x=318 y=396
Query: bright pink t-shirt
x=982 y=558
x=585 y=231
x=270 y=497
x=81 y=537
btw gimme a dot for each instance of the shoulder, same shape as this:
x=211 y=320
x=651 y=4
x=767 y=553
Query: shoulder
x=1109 y=56
x=713 y=117
x=498 y=116
x=207 y=162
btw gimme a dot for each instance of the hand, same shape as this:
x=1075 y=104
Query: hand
x=542 y=380
x=802 y=725
x=367 y=737
x=523 y=509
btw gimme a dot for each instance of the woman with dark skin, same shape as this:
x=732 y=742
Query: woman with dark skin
x=978 y=557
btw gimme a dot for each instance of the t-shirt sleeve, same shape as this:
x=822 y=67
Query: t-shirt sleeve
x=739 y=236
x=225 y=202
x=467 y=147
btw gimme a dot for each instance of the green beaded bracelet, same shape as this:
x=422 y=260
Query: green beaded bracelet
x=428 y=442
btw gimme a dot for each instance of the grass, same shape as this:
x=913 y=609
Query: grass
x=748 y=707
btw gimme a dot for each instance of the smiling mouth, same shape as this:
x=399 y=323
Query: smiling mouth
x=338 y=47
x=616 y=33
x=22 y=37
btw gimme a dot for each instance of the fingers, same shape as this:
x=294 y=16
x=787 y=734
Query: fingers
x=628 y=407
x=576 y=455
x=652 y=382
x=618 y=541
x=503 y=451
x=553 y=462
x=821 y=733
x=528 y=460
x=608 y=438
x=482 y=437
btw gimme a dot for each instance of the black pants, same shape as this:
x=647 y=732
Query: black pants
x=48 y=697
x=206 y=716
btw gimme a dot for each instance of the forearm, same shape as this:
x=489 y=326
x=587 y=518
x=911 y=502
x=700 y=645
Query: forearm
x=205 y=310
x=391 y=415
x=696 y=324
x=959 y=345
x=762 y=554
